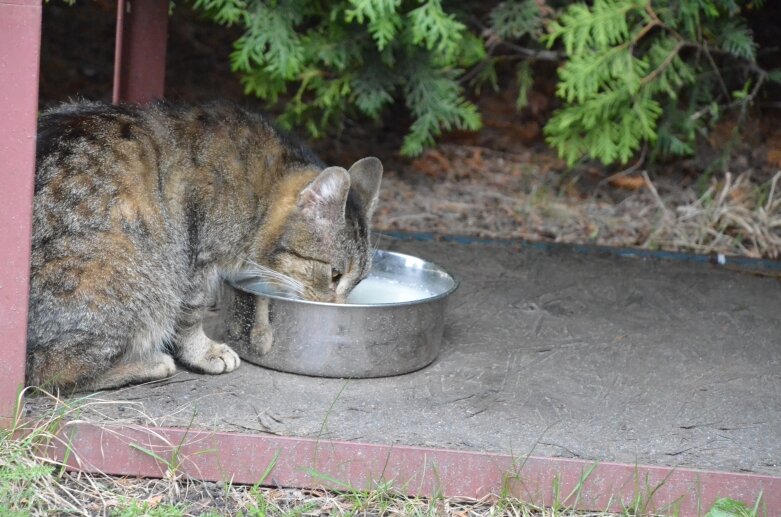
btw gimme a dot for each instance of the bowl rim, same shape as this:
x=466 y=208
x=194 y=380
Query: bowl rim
x=236 y=284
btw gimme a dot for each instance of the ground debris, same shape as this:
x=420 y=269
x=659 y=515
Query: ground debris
x=475 y=191
x=107 y=495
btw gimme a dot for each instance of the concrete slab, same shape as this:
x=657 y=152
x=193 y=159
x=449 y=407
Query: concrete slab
x=546 y=352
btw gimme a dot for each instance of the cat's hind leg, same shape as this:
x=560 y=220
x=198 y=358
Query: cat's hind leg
x=157 y=367
x=142 y=360
x=77 y=362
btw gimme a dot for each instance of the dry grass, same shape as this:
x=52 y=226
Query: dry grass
x=28 y=476
x=732 y=216
x=480 y=192
x=32 y=483
x=117 y=496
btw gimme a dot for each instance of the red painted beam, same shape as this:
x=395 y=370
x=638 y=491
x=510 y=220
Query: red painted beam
x=139 y=56
x=243 y=458
x=20 y=45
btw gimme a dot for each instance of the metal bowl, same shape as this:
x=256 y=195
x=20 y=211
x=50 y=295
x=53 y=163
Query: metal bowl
x=349 y=340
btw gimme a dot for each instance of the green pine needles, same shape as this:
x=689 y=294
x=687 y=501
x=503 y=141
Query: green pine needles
x=342 y=58
x=647 y=73
x=634 y=74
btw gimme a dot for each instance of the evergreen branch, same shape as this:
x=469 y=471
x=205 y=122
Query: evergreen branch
x=713 y=65
x=663 y=66
x=652 y=14
x=645 y=30
x=761 y=77
x=494 y=41
x=479 y=68
x=743 y=102
x=709 y=51
x=659 y=23
x=516 y=19
x=533 y=54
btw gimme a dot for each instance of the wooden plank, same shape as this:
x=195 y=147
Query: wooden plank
x=20 y=44
x=139 y=61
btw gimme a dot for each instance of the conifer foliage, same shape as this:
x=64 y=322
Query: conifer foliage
x=634 y=74
x=338 y=58
x=648 y=72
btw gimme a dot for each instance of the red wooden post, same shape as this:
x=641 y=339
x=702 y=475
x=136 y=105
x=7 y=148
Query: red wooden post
x=20 y=45
x=139 y=56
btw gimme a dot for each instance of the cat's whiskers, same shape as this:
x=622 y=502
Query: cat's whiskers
x=279 y=280
x=376 y=244
x=280 y=289
x=280 y=285
x=273 y=276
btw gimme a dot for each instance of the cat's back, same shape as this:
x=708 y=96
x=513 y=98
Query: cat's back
x=79 y=128
x=178 y=141
x=99 y=162
x=96 y=174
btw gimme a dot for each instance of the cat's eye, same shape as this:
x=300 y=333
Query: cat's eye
x=336 y=275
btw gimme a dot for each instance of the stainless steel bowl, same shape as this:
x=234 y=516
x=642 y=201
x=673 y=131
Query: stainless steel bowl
x=341 y=340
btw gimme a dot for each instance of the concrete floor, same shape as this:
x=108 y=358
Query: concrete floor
x=548 y=353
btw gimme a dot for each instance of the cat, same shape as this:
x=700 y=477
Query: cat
x=140 y=212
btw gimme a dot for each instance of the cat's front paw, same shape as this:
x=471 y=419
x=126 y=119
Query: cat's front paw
x=208 y=356
x=220 y=359
x=261 y=339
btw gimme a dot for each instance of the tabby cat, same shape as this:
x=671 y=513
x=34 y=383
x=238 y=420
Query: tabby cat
x=139 y=212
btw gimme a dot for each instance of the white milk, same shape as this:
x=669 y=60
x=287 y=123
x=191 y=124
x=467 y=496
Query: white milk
x=374 y=290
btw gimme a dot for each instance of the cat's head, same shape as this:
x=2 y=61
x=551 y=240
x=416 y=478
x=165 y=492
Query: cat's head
x=323 y=244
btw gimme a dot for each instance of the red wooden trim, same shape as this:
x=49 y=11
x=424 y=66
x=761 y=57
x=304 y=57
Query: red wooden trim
x=20 y=45
x=139 y=57
x=118 y=50
x=243 y=458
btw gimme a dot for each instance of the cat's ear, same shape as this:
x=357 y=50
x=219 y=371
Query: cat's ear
x=325 y=197
x=365 y=177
